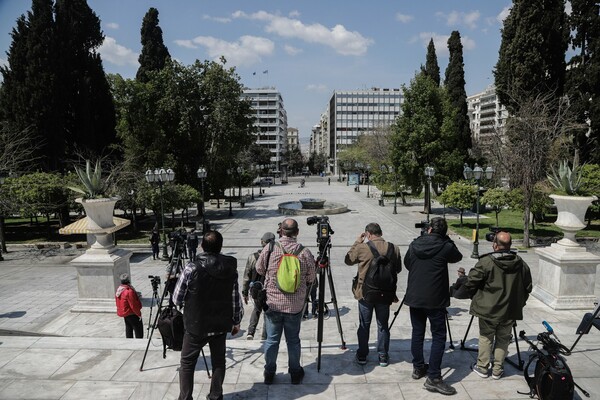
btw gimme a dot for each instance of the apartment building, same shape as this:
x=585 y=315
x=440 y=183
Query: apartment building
x=487 y=116
x=293 y=139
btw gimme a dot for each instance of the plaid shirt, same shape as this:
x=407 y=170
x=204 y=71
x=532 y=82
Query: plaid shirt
x=276 y=299
x=181 y=290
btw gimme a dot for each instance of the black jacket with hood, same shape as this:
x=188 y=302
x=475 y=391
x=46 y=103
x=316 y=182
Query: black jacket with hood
x=208 y=307
x=427 y=261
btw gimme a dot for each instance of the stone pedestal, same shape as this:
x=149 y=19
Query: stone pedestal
x=98 y=274
x=567 y=276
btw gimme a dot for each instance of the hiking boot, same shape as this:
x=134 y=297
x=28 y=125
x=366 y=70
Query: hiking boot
x=384 y=360
x=297 y=376
x=361 y=360
x=482 y=372
x=438 y=385
x=269 y=377
x=418 y=373
x=497 y=375
x=250 y=336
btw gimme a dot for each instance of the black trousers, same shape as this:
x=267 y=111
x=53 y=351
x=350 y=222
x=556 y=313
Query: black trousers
x=190 y=352
x=133 y=323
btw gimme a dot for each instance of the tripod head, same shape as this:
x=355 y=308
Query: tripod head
x=324 y=233
x=155 y=282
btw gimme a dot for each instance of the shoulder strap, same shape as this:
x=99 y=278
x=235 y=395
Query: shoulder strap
x=390 y=251
x=298 y=250
x=373 y=249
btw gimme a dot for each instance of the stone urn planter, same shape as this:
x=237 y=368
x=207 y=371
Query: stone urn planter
x=571 y=215
x=99 y=214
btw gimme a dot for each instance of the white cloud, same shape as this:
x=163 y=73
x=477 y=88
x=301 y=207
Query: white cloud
x=343 y=41
x=404 y=18
x=320 y=88
x=441 y=42
x=112 y=25
x=294 y=14
x=455 y=18
x=503 y=14
x=247 y=50
x=568 y=8
x=116 y=54
x=223 y=20
x=291 y=50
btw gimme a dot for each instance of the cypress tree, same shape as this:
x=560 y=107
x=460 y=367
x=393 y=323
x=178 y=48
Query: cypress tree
x=455 y=87
x=583 y=76
x=91 y=112
x=432 y=69
x=532 y=52
x=154 y=53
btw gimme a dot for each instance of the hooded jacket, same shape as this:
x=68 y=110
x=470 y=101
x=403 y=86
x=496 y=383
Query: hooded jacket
x=427 y=261
x=499 y=284
x=208 y=307
x=128 y=302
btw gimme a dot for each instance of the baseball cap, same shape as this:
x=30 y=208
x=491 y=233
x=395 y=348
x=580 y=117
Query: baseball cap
x=268 y=237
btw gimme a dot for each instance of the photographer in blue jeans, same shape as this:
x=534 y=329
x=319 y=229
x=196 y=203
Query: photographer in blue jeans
x=427 y=296
x=284 y=313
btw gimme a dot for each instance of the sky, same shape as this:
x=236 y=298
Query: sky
x=305 y=49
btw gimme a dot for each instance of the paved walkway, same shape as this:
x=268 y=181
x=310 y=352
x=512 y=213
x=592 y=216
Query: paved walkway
x=48 y=352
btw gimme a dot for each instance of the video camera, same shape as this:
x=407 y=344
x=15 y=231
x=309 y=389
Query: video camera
x=154 y=281
x=177 y=237
x=423 y=225
x=324 y=230
x=491 y=235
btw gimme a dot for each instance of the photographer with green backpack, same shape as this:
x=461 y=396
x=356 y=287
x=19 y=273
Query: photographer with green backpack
x=374 y=287
x=288 y=270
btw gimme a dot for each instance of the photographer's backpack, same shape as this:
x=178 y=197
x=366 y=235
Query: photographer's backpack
x=170 y=326
x=288 y=272
x=379 y=286
x=552 y=379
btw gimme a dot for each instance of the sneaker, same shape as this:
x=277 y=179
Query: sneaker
x=250 y=337
x=438 y=385
x=497 y=375
x=297 y=377
x=384 y=360
x=361 y=360
x=269 y=377
x=418 y=373
x=482 y=372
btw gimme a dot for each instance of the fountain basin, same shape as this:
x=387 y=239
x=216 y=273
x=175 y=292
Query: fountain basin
x=320 y=207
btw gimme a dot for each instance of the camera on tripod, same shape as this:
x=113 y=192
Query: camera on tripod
x=423 y=225
x=154 y=281
x=324 y=230
x=491 y=235
x=177 y=238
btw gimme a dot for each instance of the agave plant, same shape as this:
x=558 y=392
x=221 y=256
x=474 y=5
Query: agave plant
x=93 y=186
x=565 y=179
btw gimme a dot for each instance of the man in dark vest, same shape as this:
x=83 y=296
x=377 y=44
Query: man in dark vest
x=208 y=288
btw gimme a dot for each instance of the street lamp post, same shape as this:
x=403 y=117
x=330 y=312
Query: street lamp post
x=393 y=171
x=429 y=173
x=160 y=177
x=2 y=179
x=368 y=178
x=240 y=171
x=202 y=175
x=477 y=173
x=229 y=172
x=359 y=170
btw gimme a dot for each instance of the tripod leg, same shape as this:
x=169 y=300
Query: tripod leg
x=449 y=332
x=587 y=327
x=320 y=320
x=521 y=362
x=337 y=310
x=205 y=363
x=462 y=342
x=397 y=312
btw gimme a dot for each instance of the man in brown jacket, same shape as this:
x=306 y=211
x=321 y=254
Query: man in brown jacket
x=361 y=253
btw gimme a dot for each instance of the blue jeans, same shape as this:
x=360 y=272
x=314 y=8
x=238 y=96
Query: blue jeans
x=278 y=323
x=365 y=315
x=437 y=321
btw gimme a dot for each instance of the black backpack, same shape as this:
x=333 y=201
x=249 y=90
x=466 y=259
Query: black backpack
x=170 y=326
x=379 y=285
x=552 y=379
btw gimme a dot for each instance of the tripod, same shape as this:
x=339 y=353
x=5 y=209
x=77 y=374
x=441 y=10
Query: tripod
x=325 y=272
x=447 y=322
x=155 y=281
x=518 y=365
x=587 y=326
x=175 y=264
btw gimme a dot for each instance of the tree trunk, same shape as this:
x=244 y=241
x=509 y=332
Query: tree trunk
x=2 y=236
x=526 y=227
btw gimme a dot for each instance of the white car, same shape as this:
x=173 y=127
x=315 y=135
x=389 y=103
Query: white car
x=264 y=181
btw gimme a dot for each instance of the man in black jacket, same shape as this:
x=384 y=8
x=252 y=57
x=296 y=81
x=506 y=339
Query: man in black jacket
x=427 y=296
x=209 y=289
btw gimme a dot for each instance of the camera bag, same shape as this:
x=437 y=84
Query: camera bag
x=379 y=286
x=257 y=289
x=170 y=326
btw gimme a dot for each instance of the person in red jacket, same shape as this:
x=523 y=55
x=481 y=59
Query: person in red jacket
x=130 y=308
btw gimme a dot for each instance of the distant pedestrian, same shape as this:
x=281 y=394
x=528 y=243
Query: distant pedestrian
x=192 y=244
x=250 y=277
x=130 y=308
x=154 y=242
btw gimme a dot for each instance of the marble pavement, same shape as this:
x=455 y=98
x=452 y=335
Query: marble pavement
x=49 y=352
